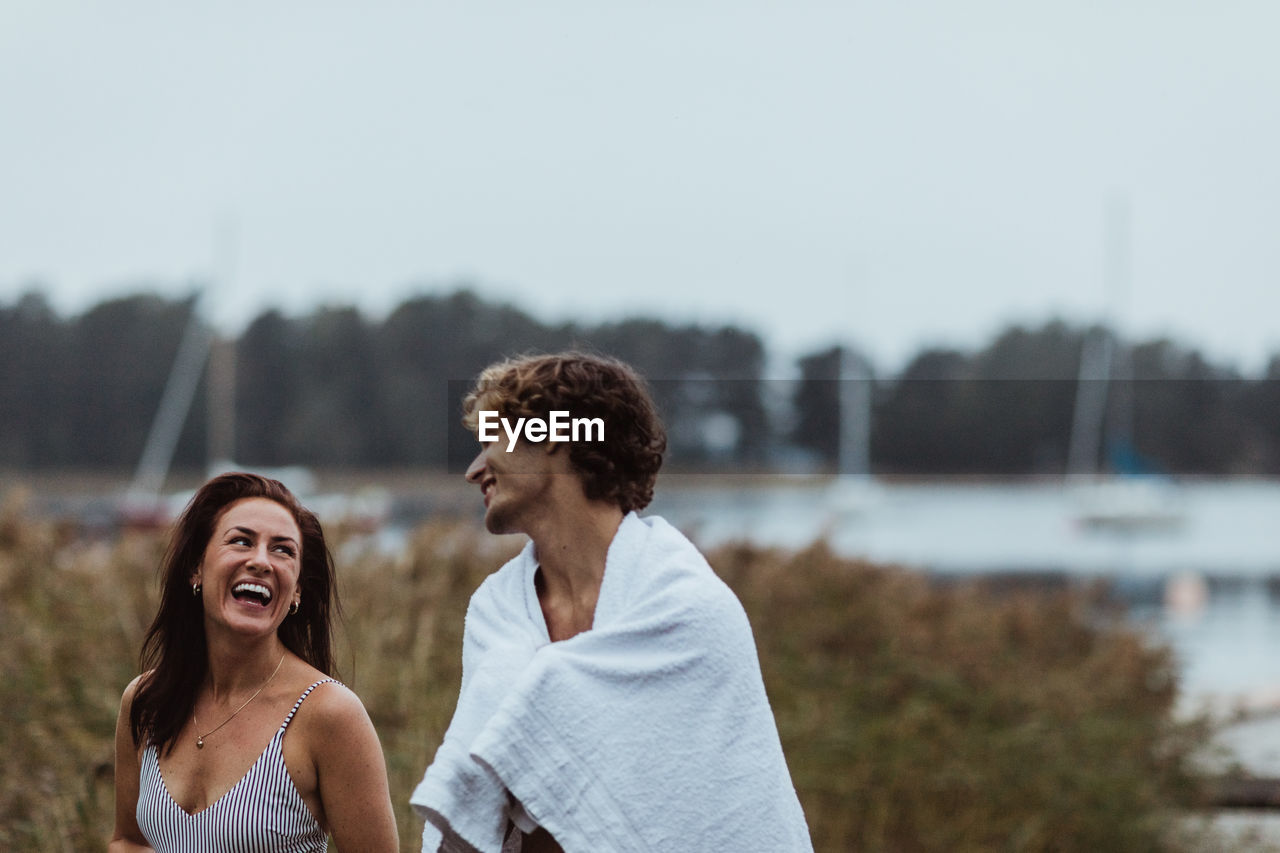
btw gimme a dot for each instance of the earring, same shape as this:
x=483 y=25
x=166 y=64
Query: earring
x=195 y=589
x=293 y=608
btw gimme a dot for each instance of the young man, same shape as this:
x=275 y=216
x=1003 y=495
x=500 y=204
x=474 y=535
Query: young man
x=611 y=696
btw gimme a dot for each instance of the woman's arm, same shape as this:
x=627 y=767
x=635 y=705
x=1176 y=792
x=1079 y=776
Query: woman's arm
x=127 y=838
x=351 y=777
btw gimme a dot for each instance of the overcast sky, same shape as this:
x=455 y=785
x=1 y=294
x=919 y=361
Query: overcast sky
x=890 y=174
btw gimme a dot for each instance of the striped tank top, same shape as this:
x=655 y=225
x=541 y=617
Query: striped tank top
x=262 y=813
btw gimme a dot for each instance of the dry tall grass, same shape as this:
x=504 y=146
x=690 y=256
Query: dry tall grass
x=914 y=717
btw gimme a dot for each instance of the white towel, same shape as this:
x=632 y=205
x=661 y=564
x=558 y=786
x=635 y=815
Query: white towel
x=649 y=732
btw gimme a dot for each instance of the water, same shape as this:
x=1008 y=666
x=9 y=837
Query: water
x=1228 y=649
x=1215 y=528
x=1198 y=562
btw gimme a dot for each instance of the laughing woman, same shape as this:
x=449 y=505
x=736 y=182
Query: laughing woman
x=235 y=737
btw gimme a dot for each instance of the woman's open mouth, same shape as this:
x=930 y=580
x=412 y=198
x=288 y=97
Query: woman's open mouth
x=251 y=593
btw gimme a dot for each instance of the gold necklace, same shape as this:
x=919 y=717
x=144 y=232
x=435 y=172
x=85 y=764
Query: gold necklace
x=200 y=737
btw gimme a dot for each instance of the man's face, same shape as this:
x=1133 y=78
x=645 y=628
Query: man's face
x=516 y=484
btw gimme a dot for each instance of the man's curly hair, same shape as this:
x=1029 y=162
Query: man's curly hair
x=623 y=467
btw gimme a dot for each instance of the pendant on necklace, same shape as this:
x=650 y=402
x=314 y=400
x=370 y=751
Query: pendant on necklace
x=199 y=743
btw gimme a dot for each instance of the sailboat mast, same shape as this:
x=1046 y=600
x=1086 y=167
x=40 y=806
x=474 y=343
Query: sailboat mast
x=175 y=401
x=854 y=449
x=1104 y=361
x=1119 y=431
x=221 y=389
x=180 y=388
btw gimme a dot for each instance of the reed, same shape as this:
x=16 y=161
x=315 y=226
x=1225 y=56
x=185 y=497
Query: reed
x=914 y=716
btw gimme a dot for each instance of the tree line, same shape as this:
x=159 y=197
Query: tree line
x=335 y=387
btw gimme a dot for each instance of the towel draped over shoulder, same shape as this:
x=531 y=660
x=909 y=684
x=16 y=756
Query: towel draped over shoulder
x=651 y=731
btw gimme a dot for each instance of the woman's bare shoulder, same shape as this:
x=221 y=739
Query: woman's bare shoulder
x=335 y=725
x=131 y=689
x=333 y=705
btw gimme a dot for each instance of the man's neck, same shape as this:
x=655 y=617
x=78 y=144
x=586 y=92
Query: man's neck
x=571 y=555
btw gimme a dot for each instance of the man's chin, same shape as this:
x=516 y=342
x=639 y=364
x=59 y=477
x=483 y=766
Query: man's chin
x=498 y=524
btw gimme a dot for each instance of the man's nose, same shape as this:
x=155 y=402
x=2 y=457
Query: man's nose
x=476 y=468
